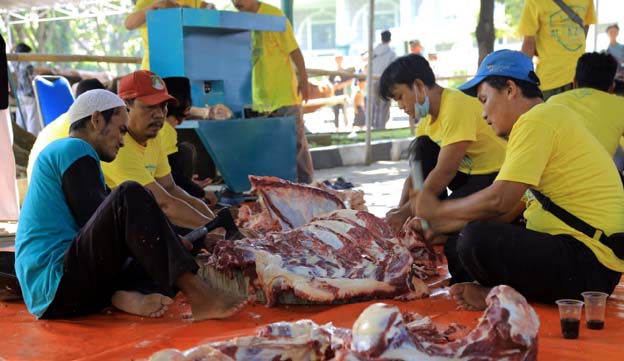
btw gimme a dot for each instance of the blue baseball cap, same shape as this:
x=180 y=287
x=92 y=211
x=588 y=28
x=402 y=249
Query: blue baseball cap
x=509 y=63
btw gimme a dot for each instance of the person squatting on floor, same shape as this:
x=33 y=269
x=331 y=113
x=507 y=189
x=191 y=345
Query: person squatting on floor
x=554 y=157
x=79 y=249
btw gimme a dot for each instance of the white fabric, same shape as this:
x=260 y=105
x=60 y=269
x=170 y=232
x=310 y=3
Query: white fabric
x=96 y=100
x=30 y=120
x=9 y=198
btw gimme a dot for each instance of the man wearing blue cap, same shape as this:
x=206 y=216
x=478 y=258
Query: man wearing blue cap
x=551 y=155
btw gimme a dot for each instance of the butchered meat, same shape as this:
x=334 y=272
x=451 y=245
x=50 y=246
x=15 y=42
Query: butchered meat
x=283 y=205
x=339 y=256
x=507 y=330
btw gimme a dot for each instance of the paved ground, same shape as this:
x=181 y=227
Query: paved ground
x=381 y=182
x=322 y=120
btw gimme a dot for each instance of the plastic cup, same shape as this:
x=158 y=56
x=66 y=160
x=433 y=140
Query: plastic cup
x=595 y=305
x=570 y=317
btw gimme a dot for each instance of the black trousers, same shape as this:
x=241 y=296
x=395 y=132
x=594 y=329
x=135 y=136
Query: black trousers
x=128 y=244
x=427 y=151
x=540 y=266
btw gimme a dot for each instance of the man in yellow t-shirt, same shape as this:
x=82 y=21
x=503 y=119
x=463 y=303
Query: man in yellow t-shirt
x=275 y=88
x=557 y=41
x=456 y=147
x=143 y=160
x=59 y=127
x=137 y=19
x=602 y=113
x=550 y=151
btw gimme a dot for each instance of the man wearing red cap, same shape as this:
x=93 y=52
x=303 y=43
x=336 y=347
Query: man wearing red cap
x=79 y=249
x=143 y=158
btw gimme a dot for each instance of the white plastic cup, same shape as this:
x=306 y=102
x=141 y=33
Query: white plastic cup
x=570 y=317
x=595 y=306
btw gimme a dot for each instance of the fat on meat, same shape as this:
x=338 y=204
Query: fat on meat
x=507 y=330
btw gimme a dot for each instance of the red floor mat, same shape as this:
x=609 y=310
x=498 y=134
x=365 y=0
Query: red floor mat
x=112 y=335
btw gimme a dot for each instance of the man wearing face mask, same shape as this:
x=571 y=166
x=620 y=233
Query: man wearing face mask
x=455 y=145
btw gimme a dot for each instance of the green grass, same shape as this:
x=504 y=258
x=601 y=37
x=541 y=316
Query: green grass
x=325 y=139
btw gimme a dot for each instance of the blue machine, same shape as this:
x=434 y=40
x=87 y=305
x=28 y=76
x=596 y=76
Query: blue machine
x=213 y=49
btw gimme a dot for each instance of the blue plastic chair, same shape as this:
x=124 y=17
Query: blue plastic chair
x=53 y=96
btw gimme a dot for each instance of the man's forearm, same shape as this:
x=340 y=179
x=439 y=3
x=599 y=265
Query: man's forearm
x=438 y=180
x=494 y=201
x=135 y=19
x=183 y=214
x=297 y=58
x=196 y=203
x=528 y=46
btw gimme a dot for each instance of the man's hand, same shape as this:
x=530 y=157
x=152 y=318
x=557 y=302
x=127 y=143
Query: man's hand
x=416 y=225
x=201 y=182
x=186 y=243
x=163 y=4
x=211 y=198
x=207 y=5
x=220 y=112
x=396 y=217
x=424 y=204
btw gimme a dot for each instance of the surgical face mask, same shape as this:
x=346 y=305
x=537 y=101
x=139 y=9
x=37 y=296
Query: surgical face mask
x=421 y=110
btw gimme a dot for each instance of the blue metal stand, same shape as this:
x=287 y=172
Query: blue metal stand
x=213 y=49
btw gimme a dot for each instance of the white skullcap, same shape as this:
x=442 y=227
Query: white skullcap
x=96 y=100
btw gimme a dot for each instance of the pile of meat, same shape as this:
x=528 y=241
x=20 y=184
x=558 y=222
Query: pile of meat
x=507 y=330
x=313 y=249
x=341 y=255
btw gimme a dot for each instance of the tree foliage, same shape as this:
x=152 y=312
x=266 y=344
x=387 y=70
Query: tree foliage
x=93 y=36
x=486 y=32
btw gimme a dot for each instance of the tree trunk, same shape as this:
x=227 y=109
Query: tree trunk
x=485 y=29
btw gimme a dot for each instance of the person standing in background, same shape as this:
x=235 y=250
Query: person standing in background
x=27 y=116
x=617 y=50
x=339 y=83
x=556 y=39
x=275 y=88
x=383 y=55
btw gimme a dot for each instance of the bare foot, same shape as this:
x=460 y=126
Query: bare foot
x=220 y=306
x=469 y=295
x=207 y=302
x=136 y=303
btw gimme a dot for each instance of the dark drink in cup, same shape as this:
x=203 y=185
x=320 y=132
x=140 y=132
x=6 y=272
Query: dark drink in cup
x=570 y=327
x=595 y=324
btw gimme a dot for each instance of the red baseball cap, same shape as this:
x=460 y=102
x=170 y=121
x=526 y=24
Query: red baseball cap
x=146 y=87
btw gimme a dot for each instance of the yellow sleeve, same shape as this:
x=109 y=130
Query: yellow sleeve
x=141 y=4
x=529 y=20
x=128 y=166
x=528 y=152
x=169 y=139
x=459 y=124
x=162 y=167
x=590 y=16
x=287 y=39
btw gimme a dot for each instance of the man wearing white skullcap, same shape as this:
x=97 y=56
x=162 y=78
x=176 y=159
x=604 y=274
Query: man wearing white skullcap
x=78 y=249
